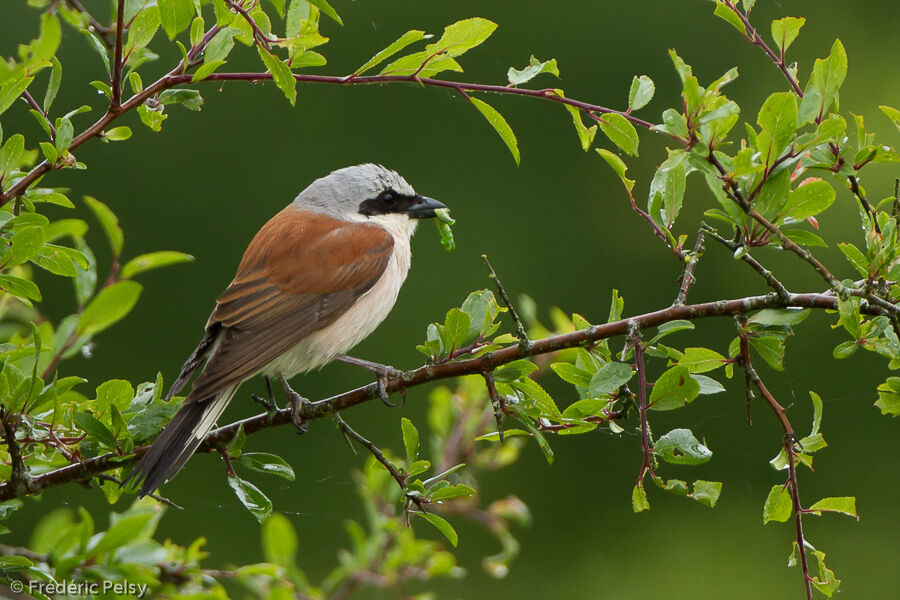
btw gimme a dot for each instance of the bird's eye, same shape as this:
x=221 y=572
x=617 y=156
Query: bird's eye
x=388 y=198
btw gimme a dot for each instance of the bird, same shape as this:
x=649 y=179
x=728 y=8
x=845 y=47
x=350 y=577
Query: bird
x=315 y=281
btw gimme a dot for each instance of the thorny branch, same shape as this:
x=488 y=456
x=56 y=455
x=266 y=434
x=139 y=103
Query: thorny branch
x=410 y=379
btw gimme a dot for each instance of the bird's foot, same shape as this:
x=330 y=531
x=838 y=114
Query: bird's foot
x=269 y=401
x=382 y=373
x=296 y=402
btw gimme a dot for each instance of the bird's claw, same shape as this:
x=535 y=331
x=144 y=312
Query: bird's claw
x=383 y=375
x=296 y=402
x=267 y=403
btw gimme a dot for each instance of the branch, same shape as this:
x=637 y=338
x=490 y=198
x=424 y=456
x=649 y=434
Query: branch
x=93 y=24
x=178 y=77
x=116 y=82
x=764 y=272
x=690 y=263
x=754 y=38
x=417 y=377
x=634 y=338
x=520 y=328
x=789 y=438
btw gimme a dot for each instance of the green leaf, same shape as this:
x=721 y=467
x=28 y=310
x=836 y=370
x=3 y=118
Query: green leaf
x=109 y=306
x=855 y=257
x=279 y=541
x=117 y=134
x=729 y=16
x=674 y=388
x=680 y=447
x=609 y=378
x=842 y=504
x=618 y=165
x=620 y=131
x=281 y=73
x=534 y=68
x=892 y=113
x=109 y=222
x=127 y=529
x=572 y=374
x=11 y=89
x=500 y=126
x=457 y=39
x=252 y=499
x=11 y=153
x=809 y=200
x=410 y=439
x=451 y=491
x=143 y=29
x=327 y=9
x=514 y=370
x=263 y=462
x=94 y=428
x=585 y=134
x=200 y=74
x=20 y=288
x=402 y=42
x=779 y=316
x=443 y=526
x=175 y=15
x=641 y=92
x=24 y=245
x=771 y=349
x=53 y=84
x=785 y=31
x=153 y=260
x=778 y=120
x=804 y=238
x=701 y=360
x=639 y=500
x=888 y=396
x=778 y=506
x=707 y=492
x=848 y=309
x=828 y=75
x=455 y=332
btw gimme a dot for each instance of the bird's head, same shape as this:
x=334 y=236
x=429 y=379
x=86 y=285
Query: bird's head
x=369 y=193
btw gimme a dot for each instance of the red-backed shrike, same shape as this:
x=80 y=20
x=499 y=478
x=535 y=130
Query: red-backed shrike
x=315 y=281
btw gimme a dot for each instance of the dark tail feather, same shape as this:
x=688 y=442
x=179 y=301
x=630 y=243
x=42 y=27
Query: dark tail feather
x=194 y=360
x=178 y=441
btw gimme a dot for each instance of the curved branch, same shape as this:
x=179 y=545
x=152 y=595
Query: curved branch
x=177 y=77
x=481 y=364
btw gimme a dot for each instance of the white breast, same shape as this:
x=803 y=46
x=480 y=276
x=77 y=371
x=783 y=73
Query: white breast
x=354 y=325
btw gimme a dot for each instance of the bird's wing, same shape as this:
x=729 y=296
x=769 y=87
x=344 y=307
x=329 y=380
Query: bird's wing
x=300 y=273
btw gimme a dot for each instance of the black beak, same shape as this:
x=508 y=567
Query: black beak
x=424 y=207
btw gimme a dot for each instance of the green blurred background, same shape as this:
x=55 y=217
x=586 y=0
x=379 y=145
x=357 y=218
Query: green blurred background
x=558 y=228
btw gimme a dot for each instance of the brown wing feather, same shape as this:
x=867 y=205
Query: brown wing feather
x=299 y=274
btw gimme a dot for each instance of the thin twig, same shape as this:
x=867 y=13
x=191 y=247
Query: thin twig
x=116 y=82
x=765 y=273
x=754 y=38
x=350 y=433
x=37 y=108
x=524 y=342
x=798 y=514
x=634 y=339
x=157 y=497
x=19 y=477
x=497 y=402
x=789 y=438
x=690 y=263
x=92 y=22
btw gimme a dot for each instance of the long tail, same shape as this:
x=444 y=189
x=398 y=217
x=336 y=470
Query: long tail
x=179 y=439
